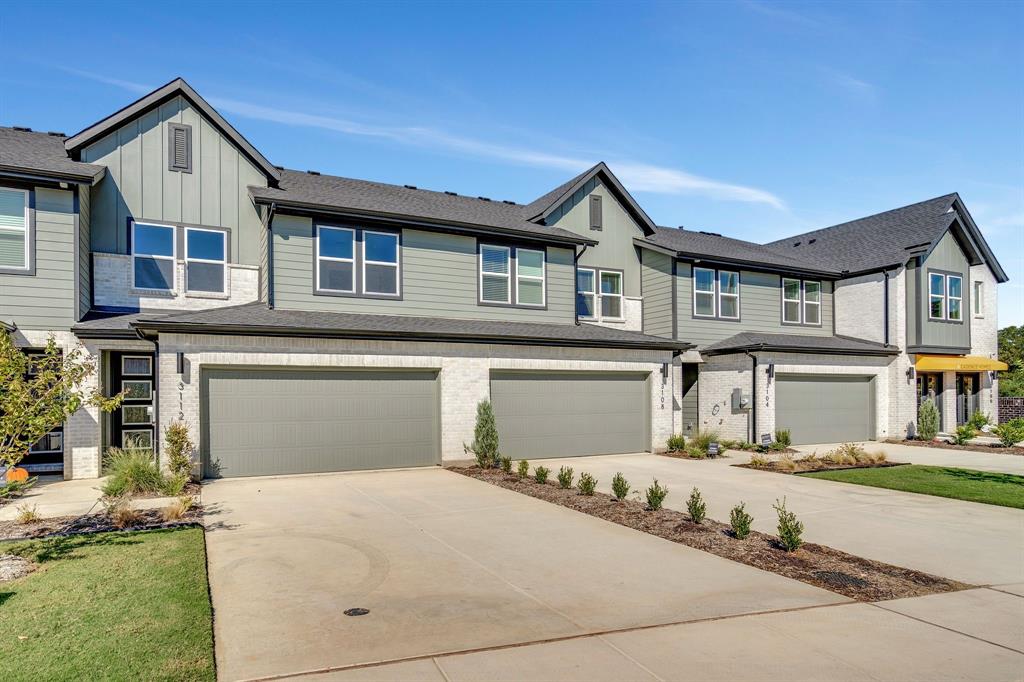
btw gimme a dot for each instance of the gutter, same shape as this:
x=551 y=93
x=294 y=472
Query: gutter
x=576 y=278
x=885 y=315
x=269 y=225
x=51 y=176
x=753 y=395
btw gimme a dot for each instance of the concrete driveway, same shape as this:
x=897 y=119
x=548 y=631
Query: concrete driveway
x=976 y=543
x=445 y=564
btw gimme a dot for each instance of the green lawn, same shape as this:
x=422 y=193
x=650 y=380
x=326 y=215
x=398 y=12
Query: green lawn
x=115 y=606
x=1006 y=490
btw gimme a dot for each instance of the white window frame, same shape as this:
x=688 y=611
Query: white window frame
x=396 y=265
x=805 y=302
x=601 y=296
x=222 y=263
x=978 y=304
x=950 y=297
x=702 y=292
x=720 y=295
x=147 y=407
x=26 y=219
x=941 y=296
x=533 y=278
x=148 y=382
x=173 y=257
x=334 y=259
x=798 y=300
x=592 y=293
x=507 y=275
x=148 y=360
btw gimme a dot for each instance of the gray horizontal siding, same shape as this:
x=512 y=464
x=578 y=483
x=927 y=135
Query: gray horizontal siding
x=45 y=300
x=439 y=278
x=656 y=280
x=760 y=309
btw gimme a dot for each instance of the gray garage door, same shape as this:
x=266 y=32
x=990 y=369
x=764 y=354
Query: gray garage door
x=259 y=422
x=570 y=414
x=819 y=409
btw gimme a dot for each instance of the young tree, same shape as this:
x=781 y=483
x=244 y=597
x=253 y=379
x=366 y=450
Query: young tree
x=485 y=436
x=38 y=394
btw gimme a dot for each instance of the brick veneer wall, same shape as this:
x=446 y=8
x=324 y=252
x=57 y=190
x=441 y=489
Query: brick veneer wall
x=1010 y=408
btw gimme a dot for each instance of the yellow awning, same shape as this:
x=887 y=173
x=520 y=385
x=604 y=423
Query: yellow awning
x=958 y=363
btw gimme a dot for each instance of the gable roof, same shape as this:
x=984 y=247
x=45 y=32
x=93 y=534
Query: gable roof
x=888 y=239
x=539 y=209
x=24 y=152
x=315 y=192
x=690 y=243
x=176 y=87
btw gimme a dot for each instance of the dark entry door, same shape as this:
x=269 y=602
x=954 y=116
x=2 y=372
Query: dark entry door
x=966 y=396
x=930 y=386
x=132 y=424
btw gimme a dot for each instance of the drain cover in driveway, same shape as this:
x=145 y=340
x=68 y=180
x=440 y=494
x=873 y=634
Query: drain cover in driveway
x=356 y=612
x=840 y=579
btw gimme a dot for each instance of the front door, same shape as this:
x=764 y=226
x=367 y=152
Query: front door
x=132 y=424
x=929 y=385
x=966 y=396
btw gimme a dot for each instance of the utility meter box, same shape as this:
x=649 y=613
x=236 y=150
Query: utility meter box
x=740 y=400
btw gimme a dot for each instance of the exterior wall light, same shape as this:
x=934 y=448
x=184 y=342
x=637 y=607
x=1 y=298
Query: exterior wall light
x=181 y=362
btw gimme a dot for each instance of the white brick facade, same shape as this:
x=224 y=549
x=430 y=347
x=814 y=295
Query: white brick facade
x=633 y=312
x=112 y=287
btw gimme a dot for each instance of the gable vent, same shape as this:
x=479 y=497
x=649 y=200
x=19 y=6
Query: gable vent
x=596 y=214
x=179 y=147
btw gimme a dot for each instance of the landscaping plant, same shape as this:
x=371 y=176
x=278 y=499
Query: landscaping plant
x=131 y=471
x=506 y=464
x=12 y=489
x=786 y=463
x=964 y=434
x=620 y=486
x=740 y=521
x=676 y=442
x=121 y=512
x=39 y=394
x=485 y=436
x=700 y=441
x=790 y=529
x=927 y=420
x=783 y=437
x=696 y=506
x=178 y=449
x=540 y=474
x=759 y=461
x=1011 y=433
x=27 y=514
x=177 y=509
x=586 y=484
x=565 y=475
x=979 y=420
x=524 y=468
x=656 y=495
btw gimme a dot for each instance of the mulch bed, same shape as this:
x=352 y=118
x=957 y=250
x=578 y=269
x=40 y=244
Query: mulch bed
x=818 y=565
x=681 y=454
x=997 y=449
x=91 y=523
x=820 y=466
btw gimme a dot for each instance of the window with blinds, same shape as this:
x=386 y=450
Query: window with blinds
x=14 y=238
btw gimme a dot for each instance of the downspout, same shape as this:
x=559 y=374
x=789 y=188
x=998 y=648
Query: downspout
x=575 y=284
x=269 y=225
x=753 y=395
x=886 y=315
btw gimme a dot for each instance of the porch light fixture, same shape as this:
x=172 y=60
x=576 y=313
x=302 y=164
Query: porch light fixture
x=911 y=373
x=664 y=370
x=181 y=362
x=771 y=371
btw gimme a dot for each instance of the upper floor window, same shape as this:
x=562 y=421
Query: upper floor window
x=14 y=228
x=801 y=301
x=945 y=296
x=335 y=259
x=357 y=262
x=599 y=294
x=979 y=299
x=512 y=275
x=153 y=256
x=205 y=260
x=380 y=263
x=716 y=293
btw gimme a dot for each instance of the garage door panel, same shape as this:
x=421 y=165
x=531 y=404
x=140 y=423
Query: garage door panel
x=566 y=415
x=261 y=422
x=825 y=409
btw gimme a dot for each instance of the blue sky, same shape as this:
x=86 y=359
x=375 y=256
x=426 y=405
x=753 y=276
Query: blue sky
x=753 y=119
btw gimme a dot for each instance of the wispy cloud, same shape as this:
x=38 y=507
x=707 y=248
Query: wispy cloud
x=850 y=85
x=638 y=176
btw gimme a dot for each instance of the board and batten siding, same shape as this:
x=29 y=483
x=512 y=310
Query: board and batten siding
x=760 y=309
x=139 y=184
x=615 y=248
x=947 y=257
x=84 y=248
x=656 y=280
x=45 y=300
x=439 y=278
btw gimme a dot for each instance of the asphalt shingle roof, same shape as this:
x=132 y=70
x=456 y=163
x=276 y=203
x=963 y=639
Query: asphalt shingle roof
x=258 y=319
x=877 y=241
x=42 y=153
x=846 y=345
x=364 y=196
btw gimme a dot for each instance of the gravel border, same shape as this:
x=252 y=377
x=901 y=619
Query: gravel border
x=60 y=526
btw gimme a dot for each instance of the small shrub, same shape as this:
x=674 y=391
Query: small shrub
x=726 y=444
x=540 y=474
x=506 y=465
x=786 y=463
x=759 y=461
x=964 y=434
x=565 y=475
x=790 y=529
x=979 y=420
x=783 y=437
x=27 y=514
x=747 y=446
x=121 y=512
x=12 y=489
x=696 y=507
x=177 y=509
x=131 y=471
x=620 y=486
x=702 y=439
x=523 y=469
x=178 y=448
x=1011 y=433
x=878 y=457
x=656 y=495
x=740 y=521
x=676 y=442
x=174 y=485
x=586 y=484
x=927 y=420
x=695 y=452
x=485 y=436
x=776 y=446
x=847 y=454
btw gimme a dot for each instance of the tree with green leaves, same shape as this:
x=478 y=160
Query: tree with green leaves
x=39 y=393
x=1011 y=351
x=485 y=436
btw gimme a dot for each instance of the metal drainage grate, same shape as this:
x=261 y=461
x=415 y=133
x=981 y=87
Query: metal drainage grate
x=356 y=612
x=840 y=579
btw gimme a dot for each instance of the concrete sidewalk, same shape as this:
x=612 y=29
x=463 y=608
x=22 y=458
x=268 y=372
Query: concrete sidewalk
x=52 y=496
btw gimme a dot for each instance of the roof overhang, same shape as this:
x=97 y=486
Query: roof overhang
x=52 y=177
x=784 y=348
x=601 y=169
x=724 y=260
x=958 y=363
x=978 y=239
x=7 y=326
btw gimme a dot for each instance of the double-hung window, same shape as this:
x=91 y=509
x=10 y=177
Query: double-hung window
x=812 y=302
x=495 y=274
x=801 y=301
x=611 y=295
x=945 y=297
x=599 y=294
x=791 y=301
x=153 y=256
x=586 y=292
x=954 y=298
x=716 y=293
x=380 y=263
x=335 y=259
x=14 y=227
x=511 y=275
x=529 y=277
x=205 y=260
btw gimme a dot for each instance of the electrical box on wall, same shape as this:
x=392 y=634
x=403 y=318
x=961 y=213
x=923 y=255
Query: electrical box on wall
x=740 y=401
